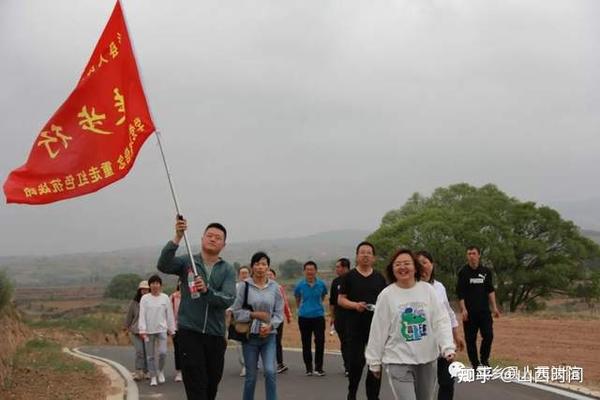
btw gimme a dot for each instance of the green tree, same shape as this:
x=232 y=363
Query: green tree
x=532 y=251
x=589 y=289
x=122 y=286
x=290 y=269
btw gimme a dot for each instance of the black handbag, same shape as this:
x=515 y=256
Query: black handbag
x=237 y=330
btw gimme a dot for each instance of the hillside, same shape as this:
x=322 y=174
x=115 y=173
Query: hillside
x=97 y=268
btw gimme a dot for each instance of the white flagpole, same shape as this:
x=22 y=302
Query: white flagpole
x=162 y=153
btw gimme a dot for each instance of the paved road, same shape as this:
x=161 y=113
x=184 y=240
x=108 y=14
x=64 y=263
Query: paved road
x=293 y=385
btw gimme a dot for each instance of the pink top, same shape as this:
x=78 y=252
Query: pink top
x=286 y=305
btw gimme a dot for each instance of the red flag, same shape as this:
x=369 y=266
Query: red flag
x=95 y=136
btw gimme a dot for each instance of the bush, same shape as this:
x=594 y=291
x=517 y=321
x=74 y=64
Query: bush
x=6 y=290
x=290 y=269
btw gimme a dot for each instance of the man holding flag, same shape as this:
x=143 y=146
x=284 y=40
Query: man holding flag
x=91 y=141
x=204 y=299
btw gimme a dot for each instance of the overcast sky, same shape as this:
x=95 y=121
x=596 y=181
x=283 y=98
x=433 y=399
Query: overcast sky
x=283 y=118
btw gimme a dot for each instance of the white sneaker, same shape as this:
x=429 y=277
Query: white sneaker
x=153 y=381
x=178 y=377
x=243 y=373
x=161 y=377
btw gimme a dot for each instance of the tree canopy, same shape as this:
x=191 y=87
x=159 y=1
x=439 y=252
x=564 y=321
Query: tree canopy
x=532 y=251
x=123 y=286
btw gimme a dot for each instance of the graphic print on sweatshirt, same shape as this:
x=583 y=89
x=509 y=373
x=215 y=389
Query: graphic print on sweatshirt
x=413 y=322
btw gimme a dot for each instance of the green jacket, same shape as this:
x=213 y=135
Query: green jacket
x=205 y=314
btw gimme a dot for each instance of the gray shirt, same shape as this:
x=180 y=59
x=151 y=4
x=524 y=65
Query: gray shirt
x=266 y=299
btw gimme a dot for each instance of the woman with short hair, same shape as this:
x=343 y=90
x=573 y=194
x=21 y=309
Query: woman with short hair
x=409 y=327
x=155 y=323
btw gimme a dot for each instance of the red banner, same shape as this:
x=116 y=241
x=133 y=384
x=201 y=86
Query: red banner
x=94 y=137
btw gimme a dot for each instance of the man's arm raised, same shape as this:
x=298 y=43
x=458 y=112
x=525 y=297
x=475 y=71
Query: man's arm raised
x=167 y=262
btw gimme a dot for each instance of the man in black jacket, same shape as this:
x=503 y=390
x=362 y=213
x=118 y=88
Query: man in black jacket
x=337 y=313
x=475 y=290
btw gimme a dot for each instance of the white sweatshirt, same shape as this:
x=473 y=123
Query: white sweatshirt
x=156 y=314
x=409 y=326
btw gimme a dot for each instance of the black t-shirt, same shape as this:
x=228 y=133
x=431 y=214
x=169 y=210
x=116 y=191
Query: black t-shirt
x=339 y=311
x=473 y=287
x=358 y=288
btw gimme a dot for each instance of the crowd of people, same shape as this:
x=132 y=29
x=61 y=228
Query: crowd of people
x=400 y=325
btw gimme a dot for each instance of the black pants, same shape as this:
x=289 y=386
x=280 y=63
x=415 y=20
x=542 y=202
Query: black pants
x=445 y=381
x=308 y=327
x=202 y=358
x=279 y=347
x=177 y=352
x=479 y=321
x=357 y=336
x=340 y=328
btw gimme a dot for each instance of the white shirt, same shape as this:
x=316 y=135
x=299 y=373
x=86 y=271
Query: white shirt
x=156 y=314
x=409 y=327
x=440 y=290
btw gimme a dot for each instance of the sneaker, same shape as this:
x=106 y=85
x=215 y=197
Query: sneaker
x=153 y=381
x=281 y=368
x=309 y=373
x=178 y=377
x=319 y=373
x=243 y=373
x=161 y=377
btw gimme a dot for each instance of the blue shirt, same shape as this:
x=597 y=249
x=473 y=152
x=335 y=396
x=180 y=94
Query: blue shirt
x=311 y=298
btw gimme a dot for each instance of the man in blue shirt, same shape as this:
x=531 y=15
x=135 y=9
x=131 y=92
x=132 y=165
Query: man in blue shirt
x=310 y=293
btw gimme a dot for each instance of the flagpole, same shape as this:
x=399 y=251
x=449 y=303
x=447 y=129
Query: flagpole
x=177 y=209
x=162 y=152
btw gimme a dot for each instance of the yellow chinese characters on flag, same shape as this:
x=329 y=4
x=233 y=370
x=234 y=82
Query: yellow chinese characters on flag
x=94 y=137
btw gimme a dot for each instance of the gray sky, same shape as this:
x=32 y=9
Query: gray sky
x=284 y=118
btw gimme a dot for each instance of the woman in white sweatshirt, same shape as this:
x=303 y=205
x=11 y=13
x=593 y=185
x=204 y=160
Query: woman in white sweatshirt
x=410 y=327
x=155 y=322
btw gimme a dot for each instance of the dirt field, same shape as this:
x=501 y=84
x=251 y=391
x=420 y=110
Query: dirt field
x=41 y=370
x=525 y=340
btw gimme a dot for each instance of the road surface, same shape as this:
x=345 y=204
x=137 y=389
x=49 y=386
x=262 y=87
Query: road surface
x=294 y=385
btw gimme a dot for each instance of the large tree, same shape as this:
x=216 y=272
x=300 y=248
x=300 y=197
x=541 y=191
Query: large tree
x=532 y=251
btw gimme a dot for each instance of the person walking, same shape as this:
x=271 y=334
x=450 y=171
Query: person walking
x=309 y=294
x=131 y=327
x=410 y=326
x=337 y=313
x=175 y=298
x=243 y=273
x=475 y=291
x=265 y=314
x=201 y=319
x=156 y=321
x=358 y=294
x=287 y=312
x=445 y=380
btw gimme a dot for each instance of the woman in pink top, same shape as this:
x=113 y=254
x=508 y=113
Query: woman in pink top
x=175 y=300
x=287 y=312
